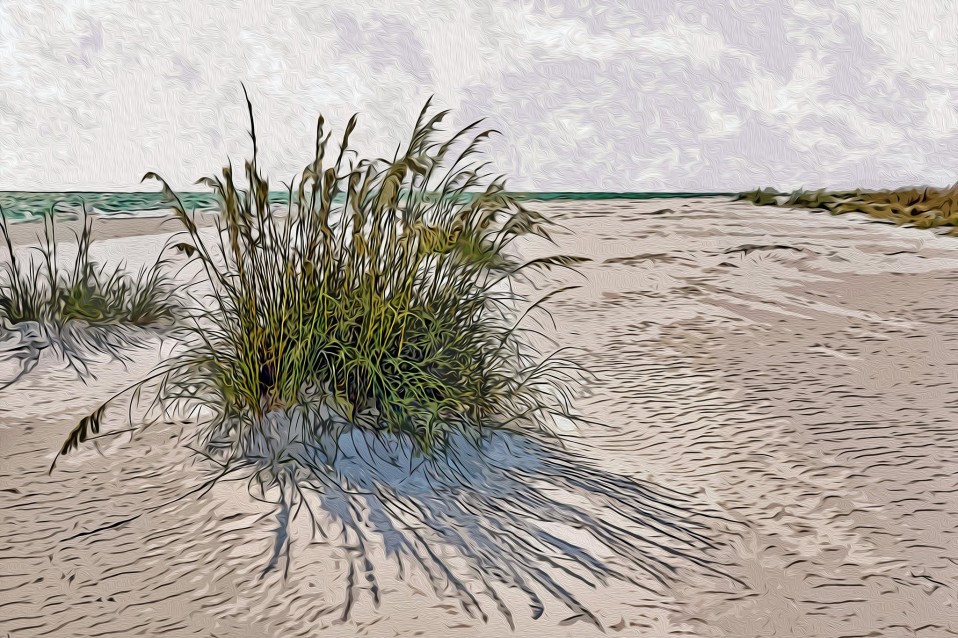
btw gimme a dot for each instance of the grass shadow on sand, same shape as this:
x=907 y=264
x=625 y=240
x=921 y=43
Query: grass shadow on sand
x=520 y=511
x=515 y=512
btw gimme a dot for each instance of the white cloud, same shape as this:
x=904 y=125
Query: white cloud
x=641 y=95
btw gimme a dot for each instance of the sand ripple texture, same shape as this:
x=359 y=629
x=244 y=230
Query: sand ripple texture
x=791 y=372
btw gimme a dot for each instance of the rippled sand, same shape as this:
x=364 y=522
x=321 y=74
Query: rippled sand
x=789 y=372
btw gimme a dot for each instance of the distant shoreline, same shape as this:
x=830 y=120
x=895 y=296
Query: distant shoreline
x=25 y=205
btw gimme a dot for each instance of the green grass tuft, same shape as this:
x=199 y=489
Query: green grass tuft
x=46 y=292
x=81 y=309
x=380 y=298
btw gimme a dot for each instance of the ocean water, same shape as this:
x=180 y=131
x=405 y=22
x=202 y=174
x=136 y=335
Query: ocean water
x=20 y=205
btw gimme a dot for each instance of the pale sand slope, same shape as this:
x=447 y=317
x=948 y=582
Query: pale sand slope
x=801 y=386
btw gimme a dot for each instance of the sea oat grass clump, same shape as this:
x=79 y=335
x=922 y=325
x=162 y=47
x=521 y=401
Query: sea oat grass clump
x=362 y=357
x=380 y=298
x=78 y=307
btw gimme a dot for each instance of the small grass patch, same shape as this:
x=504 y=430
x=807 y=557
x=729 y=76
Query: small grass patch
x=78 y=308
x=918 y=207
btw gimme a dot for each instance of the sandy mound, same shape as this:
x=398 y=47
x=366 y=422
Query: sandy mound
x=774 y=454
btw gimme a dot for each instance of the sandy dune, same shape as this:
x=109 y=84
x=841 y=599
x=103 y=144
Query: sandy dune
x=789 y=372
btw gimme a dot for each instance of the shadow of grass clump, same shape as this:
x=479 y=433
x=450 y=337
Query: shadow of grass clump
x=926 y=207
x=80 y=309
x=363 y=351
x=513 y=507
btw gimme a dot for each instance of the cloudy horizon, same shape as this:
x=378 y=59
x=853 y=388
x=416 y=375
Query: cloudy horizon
x=655 y=95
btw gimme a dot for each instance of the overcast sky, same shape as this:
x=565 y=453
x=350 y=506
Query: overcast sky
x=589 y=95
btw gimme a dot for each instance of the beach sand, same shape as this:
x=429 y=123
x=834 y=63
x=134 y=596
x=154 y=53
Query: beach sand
x=791 y=372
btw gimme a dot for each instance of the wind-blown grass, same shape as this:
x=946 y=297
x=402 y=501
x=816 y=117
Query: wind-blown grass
x=81 y=308
x=389 y=310
x=366 y=350
x=919 y=207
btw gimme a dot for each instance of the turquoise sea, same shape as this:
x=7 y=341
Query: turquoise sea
x=29 y=204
